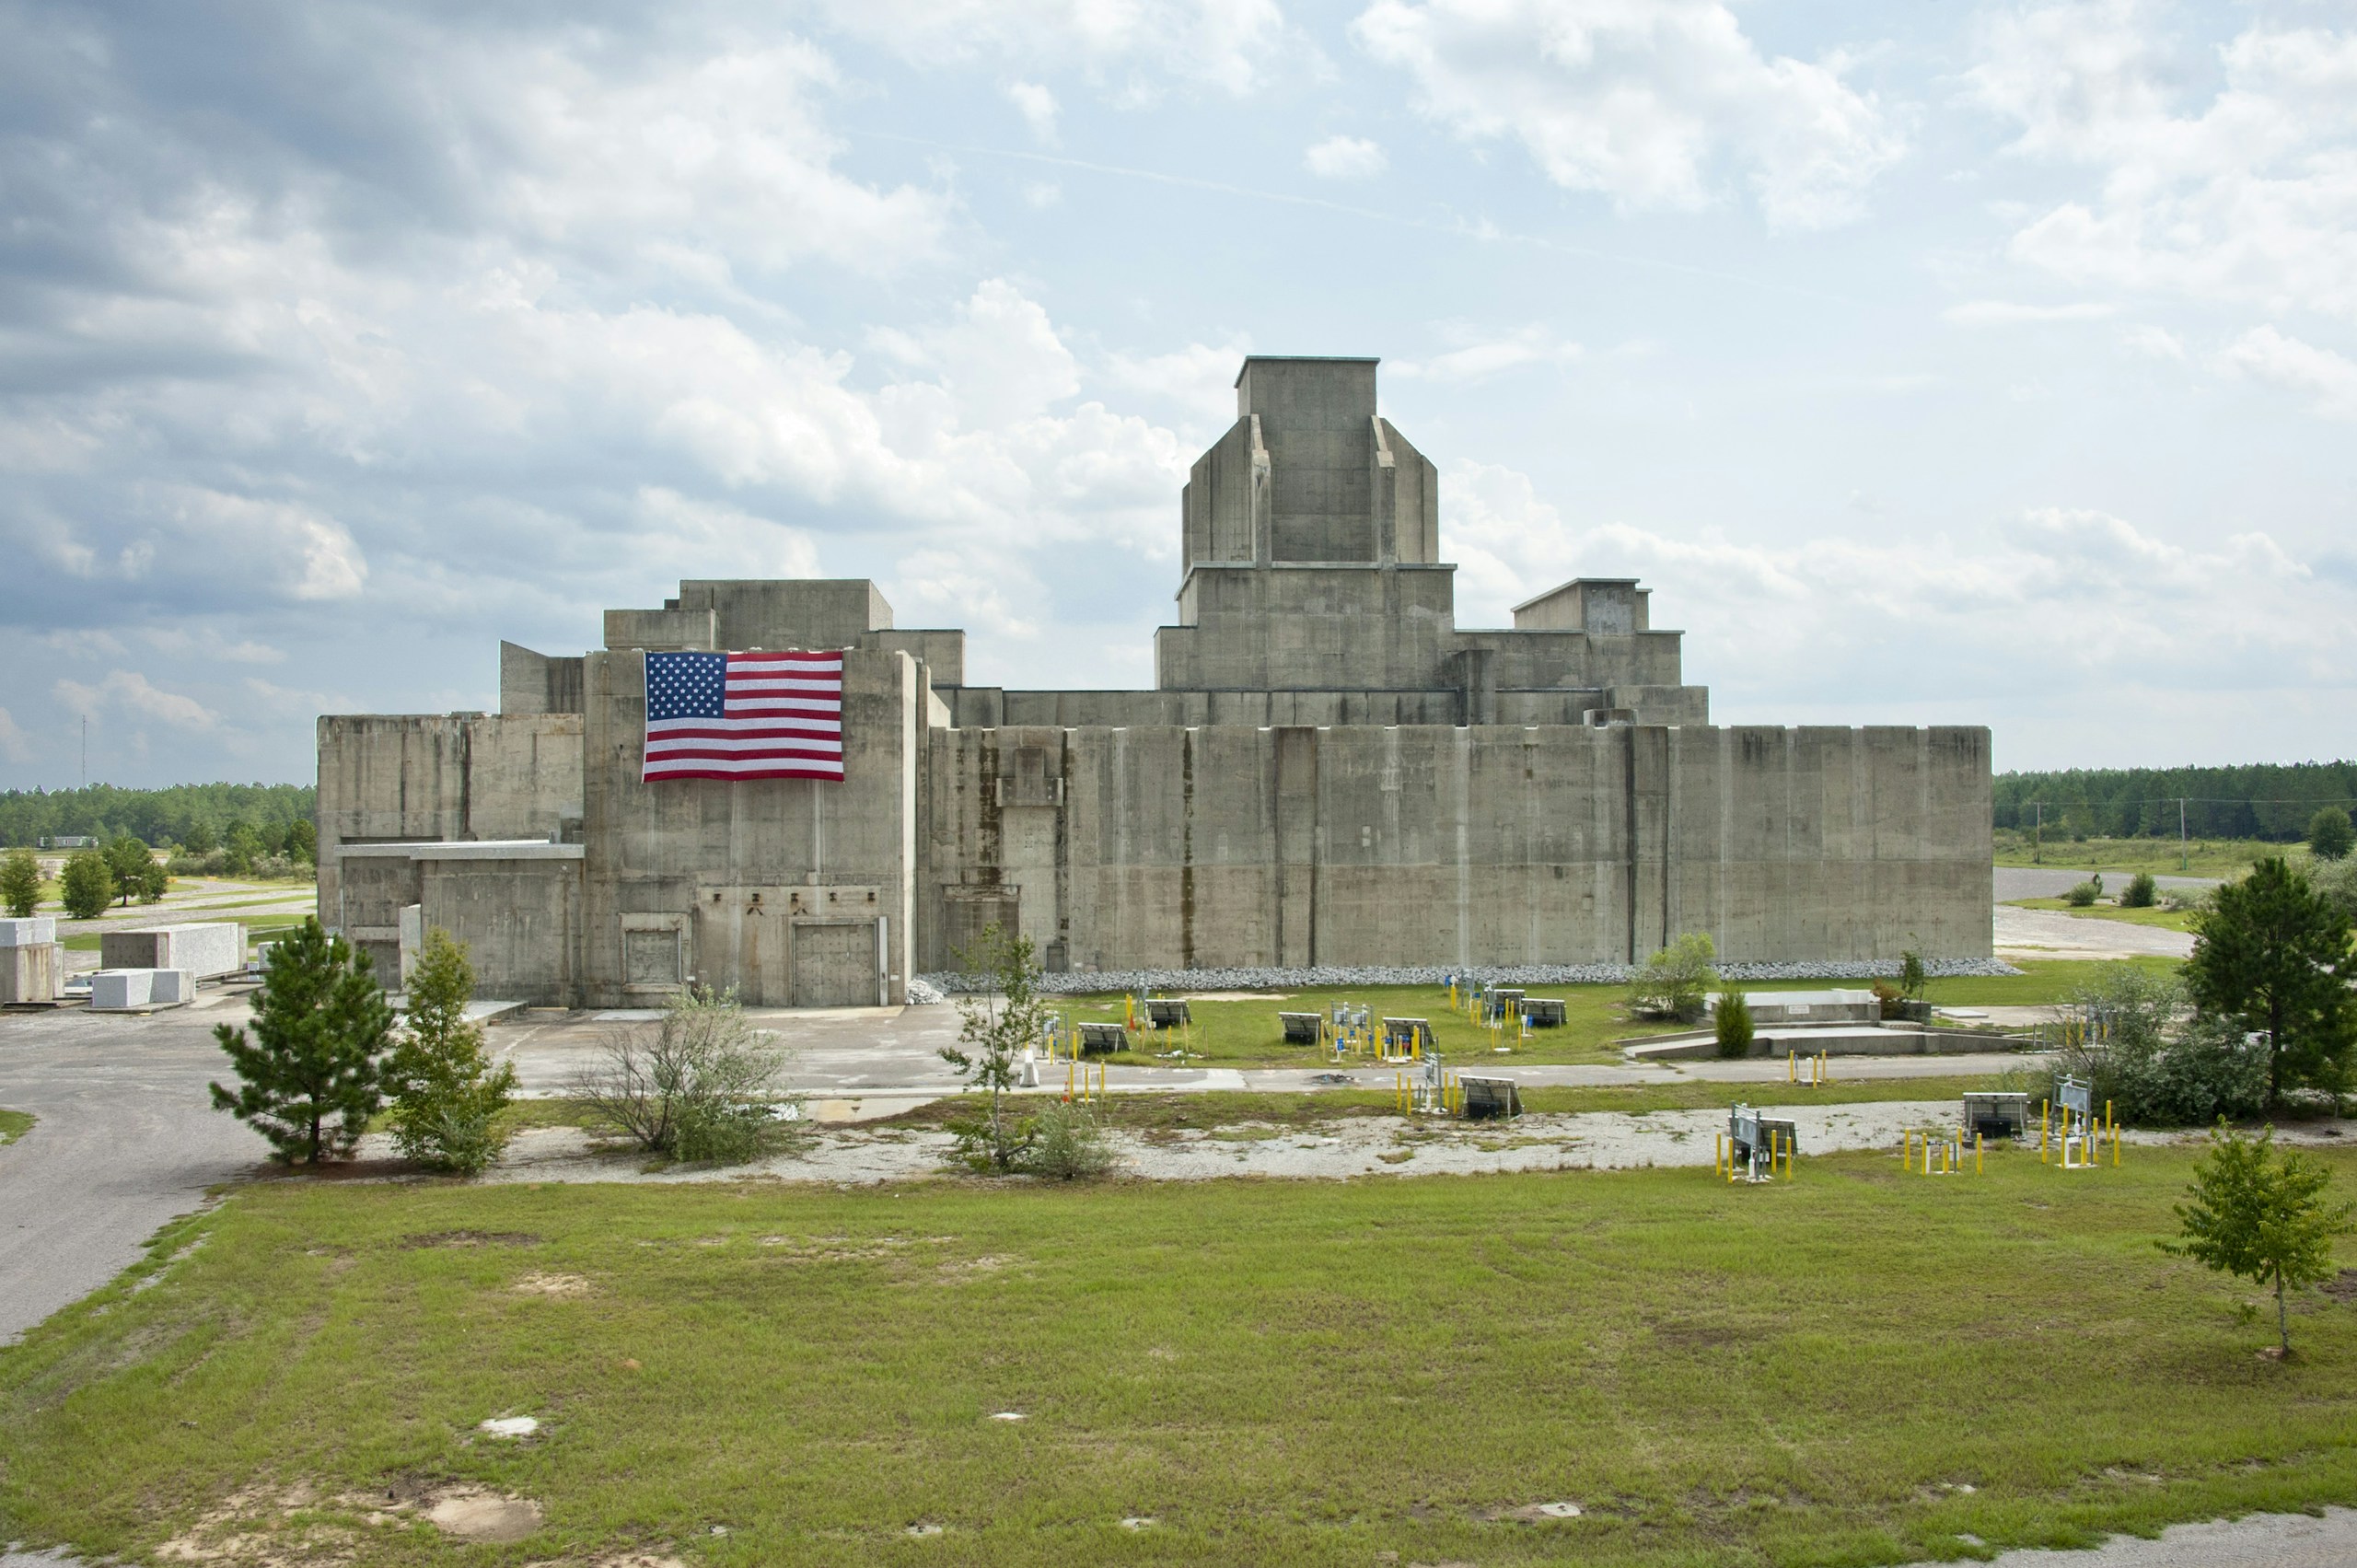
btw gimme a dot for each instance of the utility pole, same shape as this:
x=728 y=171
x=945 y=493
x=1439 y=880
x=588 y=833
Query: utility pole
x=86 y=750
x=2183 y=863
x=2037 y=840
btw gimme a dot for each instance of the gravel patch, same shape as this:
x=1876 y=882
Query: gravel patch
x=1255 y=980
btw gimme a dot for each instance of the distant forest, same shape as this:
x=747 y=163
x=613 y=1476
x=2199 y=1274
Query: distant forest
x=2261 y=800
x=159 y=816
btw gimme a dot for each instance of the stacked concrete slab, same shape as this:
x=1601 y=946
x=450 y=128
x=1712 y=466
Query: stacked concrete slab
x=1330 y=772
x=138 y=990
x=33 y=966
x=208 y=949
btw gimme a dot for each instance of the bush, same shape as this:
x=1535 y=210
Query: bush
x=2336 y=882
x=2329 y=834
x=1675 y=981
x=1067 y=1142
x=702 y=1090
x=20 y=884
x=1733 y=1024
x=85 y=887
x=1890 y=1001
x=2083 y=895
x=2153 y=1074
x=447 y=1096
x=2139 y=892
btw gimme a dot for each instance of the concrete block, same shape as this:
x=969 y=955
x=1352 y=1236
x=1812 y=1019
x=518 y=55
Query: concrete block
x=116 y=990
x=209 y=949
x=30 y=973
x=38 y=931
x=172 y=986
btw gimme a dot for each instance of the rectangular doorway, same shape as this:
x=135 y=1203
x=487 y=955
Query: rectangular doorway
x=834 y=963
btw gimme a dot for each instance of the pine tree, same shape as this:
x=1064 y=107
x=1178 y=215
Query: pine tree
x=313 y=1074
x=447 y=1096
x=2275 y=954
x=85 y=887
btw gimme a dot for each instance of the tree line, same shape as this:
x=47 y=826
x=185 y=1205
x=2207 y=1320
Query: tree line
x=196 y=817
x=2274 y=801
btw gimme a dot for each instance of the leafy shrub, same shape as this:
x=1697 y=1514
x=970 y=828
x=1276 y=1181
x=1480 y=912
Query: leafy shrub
x=2083 y=895
x=700 y=1090
x=1068 y=1143
x=1890 y=1002
x=20 y=883
x=2337 y=880
x=2153 y=1072
x=1675 y=981
x=2139 y=892
x=447 y=1096
x=1733 y=1019
x=85 y=887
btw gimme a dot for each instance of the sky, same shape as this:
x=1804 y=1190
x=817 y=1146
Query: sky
x=1931 y=363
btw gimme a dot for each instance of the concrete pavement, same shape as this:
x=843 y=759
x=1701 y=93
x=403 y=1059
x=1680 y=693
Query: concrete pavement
x=125 y=1143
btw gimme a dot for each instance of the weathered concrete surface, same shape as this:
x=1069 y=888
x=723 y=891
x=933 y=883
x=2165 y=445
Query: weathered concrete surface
x=2327 y=1540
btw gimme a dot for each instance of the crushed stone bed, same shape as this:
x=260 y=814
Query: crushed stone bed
x=1523 y=974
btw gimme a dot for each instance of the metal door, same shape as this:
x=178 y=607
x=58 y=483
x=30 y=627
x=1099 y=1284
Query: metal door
x=742 y=942
x=834 y=964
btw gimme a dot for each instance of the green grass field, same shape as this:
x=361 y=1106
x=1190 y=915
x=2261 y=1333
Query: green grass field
x=2201 y=857
x=1248 y=1033
x=2166 y=919
x=1856 y=1367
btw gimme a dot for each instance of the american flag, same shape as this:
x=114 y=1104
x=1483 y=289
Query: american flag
x=752 y=715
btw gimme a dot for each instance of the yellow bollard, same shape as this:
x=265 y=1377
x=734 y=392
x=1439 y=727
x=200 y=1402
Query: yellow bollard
x=2045 y=1120
x=1977 y=1152
x=1792 y=1071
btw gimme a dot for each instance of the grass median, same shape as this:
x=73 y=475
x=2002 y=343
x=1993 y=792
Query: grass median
x=1855 y=1368
x=1246 y=1032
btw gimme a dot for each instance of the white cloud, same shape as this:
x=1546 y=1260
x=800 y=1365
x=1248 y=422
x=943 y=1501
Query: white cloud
x=128 y=691
x=724 y=542
x=2054 y=598
x=1038 y=107
x=15 y=744
x=2006 y=313
x=2246 y=192
x=1644 y=103
x=1236 y=45
x=297 y=550
x=1477 y=358
x=2152 y=342
x=1345 y=157
x=2326 y=379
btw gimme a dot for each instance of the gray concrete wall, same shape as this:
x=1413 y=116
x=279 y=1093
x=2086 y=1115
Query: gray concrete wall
x=400 y=777
x=743 y=867
x=1413 y=845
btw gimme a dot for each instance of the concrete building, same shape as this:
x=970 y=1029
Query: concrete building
x=1330 y=771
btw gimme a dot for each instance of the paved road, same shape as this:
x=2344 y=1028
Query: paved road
x=125 y=1143
x=2012 y=882
x=2052 y=933
x=2261 y=1540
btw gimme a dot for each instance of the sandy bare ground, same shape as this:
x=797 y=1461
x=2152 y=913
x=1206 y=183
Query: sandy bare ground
x=1340 y=1149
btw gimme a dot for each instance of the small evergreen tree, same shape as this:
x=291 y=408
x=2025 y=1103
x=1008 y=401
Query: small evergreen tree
x=447 y=1096
x=1733 y=1020
x=85 y=887
x=20 y=883
x=1001 y=1018
x=2329 y=834
x=313 y=1074
x=2260 y=1216
x=2273 y=952
x=2139 y=892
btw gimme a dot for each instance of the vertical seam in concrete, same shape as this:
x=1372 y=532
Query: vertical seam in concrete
x=1628 y=810
x=1669 y=912
x=1186 y=849
x=1726 y=837
x=1464 y=782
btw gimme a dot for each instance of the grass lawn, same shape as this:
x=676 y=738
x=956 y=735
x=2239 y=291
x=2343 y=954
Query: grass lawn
x=2167 y=920
x=15 y=1124
x=2205 y=857
x=1853 y=1368
x=1247 y=1033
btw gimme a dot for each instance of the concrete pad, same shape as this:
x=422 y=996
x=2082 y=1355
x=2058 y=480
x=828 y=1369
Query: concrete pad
x=2051 y=933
